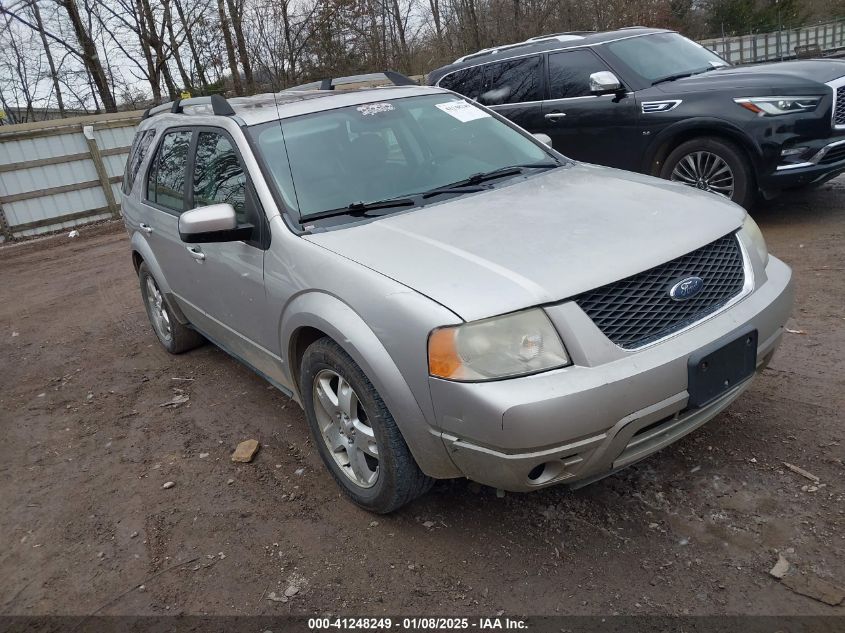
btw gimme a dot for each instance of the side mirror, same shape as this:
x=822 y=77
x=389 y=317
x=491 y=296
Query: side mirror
x=545 y=139
x=604 y=82
x=214 y=223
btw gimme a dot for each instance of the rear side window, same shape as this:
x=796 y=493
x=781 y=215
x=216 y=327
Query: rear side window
x=569 y=73
x=218 y=174
x=514 y=81
x=468 y=82
x=166 y=181
x=137 y=153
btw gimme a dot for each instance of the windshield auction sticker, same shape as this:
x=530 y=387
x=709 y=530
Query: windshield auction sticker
x=370 y=109
x=462 y=111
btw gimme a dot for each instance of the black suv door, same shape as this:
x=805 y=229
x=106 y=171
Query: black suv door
x=600 y=129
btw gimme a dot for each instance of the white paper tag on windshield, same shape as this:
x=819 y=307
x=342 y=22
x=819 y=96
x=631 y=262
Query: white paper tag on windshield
x=462 y=110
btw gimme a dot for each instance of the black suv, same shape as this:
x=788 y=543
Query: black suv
x=652 y=101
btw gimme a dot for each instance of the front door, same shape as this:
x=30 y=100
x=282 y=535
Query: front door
x=219 y=286
x=600 y=129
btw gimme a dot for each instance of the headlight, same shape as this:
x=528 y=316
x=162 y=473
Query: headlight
x=501 y=347
x=773 y=106
x=753 y=231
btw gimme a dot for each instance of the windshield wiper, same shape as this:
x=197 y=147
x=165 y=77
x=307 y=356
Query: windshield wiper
x=688 y=73
x=471 y=184
x=360 y=208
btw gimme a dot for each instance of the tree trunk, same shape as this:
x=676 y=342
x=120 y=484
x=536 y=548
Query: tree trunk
x=405 y=60
x=236 y=13
x=174 y=47
x=191 y=45
x=157 y=44
x=36 y=12
x=435 y=14
x=144 y=38
x=89 y=55
x=230 y=48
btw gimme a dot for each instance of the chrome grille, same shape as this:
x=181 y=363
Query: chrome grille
x=638 y=310
x=839 y=107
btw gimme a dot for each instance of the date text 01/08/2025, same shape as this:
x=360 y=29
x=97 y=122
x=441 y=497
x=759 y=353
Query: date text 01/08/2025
x=417 y=624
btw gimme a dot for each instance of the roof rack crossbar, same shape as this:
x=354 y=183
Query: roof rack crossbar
x=219 y=106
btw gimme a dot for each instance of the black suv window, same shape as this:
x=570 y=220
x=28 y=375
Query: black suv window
x=137 y=153
x=513 y=81
x=569 y=73
x=218 y=174
x=468 y=82
x=166 y=182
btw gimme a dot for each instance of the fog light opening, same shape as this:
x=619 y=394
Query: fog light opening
x=545 y=472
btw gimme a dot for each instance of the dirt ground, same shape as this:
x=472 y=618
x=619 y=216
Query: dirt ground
x=87 y=447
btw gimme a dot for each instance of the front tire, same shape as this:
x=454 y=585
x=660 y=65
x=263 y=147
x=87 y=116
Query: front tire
x=173 y=336
x=715 y=165
x=356 y=435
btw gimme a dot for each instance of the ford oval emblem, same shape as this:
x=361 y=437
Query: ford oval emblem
x=686 y=288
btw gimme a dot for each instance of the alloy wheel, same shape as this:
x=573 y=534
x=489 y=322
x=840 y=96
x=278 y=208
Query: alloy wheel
x=706 y=171
x=345 y=428
x=158 y=311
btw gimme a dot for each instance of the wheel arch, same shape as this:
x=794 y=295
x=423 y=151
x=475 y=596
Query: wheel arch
x=142 y=253
x=314 y=315
x=670 y=138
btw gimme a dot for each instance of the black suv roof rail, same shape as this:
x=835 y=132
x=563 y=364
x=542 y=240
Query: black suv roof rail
x=537 y=38
x=219 y=106
x=397 y=79
x=567 y=35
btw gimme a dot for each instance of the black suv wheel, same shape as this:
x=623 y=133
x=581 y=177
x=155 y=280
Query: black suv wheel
x=712 y=164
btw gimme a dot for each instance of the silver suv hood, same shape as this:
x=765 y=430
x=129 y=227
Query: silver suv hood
x=536 y=241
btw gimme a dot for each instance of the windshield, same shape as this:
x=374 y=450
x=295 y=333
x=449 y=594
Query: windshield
x=377 y=151
x=664 y=55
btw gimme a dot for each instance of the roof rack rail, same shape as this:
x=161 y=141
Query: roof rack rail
x=397 y=79
x=537 y=38
x=566 y=36
x=219 y=106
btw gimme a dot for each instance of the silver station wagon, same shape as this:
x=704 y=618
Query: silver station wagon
x=443 y=293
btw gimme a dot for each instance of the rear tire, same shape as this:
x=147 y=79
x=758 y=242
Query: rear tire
x=355 y=433
x=713 y=164
x=173 y=336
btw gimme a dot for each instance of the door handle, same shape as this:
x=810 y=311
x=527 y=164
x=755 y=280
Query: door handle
x=146 y=228
x=196 y=253
x=554 y=116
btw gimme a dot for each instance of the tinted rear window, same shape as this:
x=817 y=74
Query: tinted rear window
x=468 y=82
x=137 y=153
x=513 y=81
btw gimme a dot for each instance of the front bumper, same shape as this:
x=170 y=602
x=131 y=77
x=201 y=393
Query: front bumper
x=824 y=161
x=607 y=411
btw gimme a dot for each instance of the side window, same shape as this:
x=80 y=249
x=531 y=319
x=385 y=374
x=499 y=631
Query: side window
x=569 y=73
x=166 y=182
x=513 y=81
x=218 y=175
x=467 y=82
x=137 y=153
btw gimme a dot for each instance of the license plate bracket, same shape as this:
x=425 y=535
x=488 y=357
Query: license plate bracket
x=721 y=366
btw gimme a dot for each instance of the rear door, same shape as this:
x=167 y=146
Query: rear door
x=163 y=200
x=601 y=129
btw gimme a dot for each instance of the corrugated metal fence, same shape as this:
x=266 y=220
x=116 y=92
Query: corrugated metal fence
x=787 y=44
x=58 y=174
